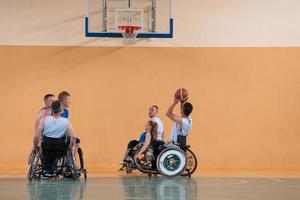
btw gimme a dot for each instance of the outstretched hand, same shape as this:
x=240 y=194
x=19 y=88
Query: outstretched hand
x=184 y=100
x=175 y=100
x=170 y=114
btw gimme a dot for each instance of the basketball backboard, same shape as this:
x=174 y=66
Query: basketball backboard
x=105 y=17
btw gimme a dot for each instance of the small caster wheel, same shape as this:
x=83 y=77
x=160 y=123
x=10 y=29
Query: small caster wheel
x=128 y=168
x=189 y=173
x=85 y=174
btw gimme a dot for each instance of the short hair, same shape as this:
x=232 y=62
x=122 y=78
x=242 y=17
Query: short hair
x=47 y=96
x=187 y=108
x=63 y=95
x=56 y=106
x=155 y=106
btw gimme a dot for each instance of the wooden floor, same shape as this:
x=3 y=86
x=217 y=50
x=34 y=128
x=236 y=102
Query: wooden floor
x=132 y=187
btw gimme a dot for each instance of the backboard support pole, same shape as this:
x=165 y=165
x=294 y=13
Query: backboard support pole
x=104 y=15
x=153 y=16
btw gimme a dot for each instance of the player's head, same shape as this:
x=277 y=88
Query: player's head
x=49 y=99
x=153 y=111
x=56 y=107
x=152 y=127
x=186 y=109
x=65 y=98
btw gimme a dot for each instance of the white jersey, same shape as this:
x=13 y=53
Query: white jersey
x=160 y=129
x=55 y=128
x=183 y=129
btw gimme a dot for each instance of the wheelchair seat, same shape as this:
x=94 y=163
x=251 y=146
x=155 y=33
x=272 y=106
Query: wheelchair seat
x=61 y=160
x=181 y=140
x=185 y=147
x=54 y=148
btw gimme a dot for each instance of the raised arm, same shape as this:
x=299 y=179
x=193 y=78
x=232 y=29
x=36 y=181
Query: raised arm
x=170 y=113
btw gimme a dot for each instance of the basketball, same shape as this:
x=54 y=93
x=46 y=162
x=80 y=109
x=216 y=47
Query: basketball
x=181 y=94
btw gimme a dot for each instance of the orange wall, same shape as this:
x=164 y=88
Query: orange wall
x=246 y=100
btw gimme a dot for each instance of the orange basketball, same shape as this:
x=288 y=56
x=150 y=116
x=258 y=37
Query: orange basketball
x=181 y=94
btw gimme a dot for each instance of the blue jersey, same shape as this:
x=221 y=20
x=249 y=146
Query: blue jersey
x=65 y=113
x=143 y=137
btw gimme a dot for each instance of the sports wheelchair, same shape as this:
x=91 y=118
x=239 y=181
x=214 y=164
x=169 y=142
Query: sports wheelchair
x=168 y=160
x=65 y=165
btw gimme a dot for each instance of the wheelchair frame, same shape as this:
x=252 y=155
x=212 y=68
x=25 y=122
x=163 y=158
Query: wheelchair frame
x=64 y=163
x=132 y=163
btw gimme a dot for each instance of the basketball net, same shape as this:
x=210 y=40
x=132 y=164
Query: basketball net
x=129 y=34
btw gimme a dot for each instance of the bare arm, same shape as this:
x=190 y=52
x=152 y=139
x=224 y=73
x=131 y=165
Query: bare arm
x=72 y=134
x=38 y=119
x=145 y=144
x=170 y=113
x=38 y=132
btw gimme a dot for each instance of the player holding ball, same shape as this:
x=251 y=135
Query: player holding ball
x=183 y=122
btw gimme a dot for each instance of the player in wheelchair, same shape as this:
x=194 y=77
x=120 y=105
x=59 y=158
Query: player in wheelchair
x=52 y=152
x=170 y=159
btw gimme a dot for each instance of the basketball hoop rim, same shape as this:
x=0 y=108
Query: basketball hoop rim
x=129 y=30
x=129 y=27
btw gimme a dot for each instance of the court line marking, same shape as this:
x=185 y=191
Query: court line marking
x=277 y=180
x=4 y=177
x=230 y=182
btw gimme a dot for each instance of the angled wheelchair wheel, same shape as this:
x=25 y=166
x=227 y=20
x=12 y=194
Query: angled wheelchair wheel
x=81 y=163
x=191 y=165
x=35 y=168
x=85 y=174
x=171 y=162
x=72 y=165
x=144 y=163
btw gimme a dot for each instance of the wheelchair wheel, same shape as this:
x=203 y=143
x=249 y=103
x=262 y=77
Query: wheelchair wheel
x=81 y=161
x=191 y=165
x=72 y=165
x=171 y=162
x=35 y=169
x=85 y=174
x=144 y=164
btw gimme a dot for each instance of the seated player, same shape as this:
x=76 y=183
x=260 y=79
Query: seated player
x=46 y=110
x=65 y=99
x=52 y=130
x=183 y=123
x=151 y=139
x=153 y=115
